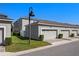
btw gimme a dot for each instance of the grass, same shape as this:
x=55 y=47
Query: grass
x=19 y=44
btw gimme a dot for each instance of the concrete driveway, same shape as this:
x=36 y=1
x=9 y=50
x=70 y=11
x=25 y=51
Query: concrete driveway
x=57 y=40
x=51 y=41
x=54 y=40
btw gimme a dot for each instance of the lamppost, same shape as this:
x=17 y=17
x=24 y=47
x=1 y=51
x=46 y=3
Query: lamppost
x=31 y=14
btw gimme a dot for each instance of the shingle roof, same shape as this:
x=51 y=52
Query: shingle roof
x=2 y=16
x=52 y=23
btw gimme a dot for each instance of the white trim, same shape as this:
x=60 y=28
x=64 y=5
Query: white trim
x=5 y=20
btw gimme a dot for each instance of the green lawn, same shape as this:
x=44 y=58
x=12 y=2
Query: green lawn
x=19 y=44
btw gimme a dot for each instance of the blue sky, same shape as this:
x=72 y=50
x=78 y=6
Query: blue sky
x=67 y=13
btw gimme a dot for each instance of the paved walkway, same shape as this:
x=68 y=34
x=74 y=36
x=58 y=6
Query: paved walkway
x=2 y=48
x=3 y=53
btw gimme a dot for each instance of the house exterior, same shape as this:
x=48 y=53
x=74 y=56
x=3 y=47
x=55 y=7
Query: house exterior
x=5 y=27
x=49 y=29
x=20 y=26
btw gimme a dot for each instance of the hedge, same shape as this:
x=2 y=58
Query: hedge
x=41 y=37
x=17 y=34
x=60 y=36
x=72 y=35
x=8 y=41
x=77 y=34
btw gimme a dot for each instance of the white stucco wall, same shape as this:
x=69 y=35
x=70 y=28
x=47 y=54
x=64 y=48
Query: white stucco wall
x=36 y=31
x=25 y=23
x=8 y=28
x=55 y=28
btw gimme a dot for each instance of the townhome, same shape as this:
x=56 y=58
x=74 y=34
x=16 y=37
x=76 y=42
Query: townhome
x=50 y=29
x=19 y=25
x=5 y=27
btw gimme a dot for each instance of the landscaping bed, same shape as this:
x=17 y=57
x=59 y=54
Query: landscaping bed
x=19 y=44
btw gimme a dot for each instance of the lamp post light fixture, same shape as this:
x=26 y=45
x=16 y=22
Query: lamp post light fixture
x=31 y=14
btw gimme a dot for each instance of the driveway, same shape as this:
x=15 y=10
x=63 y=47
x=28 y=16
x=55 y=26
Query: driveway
x=57 y=40
x=70 y=49
x=2 y=48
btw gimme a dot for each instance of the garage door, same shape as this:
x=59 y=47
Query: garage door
x=49 y=34
x=75 y=33
x=65 y=33
x=1 y=36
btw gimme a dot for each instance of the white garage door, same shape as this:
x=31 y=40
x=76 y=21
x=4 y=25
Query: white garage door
x=49 y=34
x=65 y=34
x=1 y=36
x=75 y=33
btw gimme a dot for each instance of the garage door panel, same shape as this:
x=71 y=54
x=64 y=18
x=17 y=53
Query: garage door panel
x=49 y=35
x=74 y=32
x=65 y=34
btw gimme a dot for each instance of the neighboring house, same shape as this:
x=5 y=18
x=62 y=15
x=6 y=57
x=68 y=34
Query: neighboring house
x=5 y=27
x=20 y=26
x=49 y=29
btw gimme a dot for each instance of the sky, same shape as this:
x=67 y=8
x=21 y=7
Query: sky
x=60 y=12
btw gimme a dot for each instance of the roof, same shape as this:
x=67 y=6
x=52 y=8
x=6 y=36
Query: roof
x=2 y=16
x=26 y=18
x=57 y=24
x=51 y=23
x=5 y=19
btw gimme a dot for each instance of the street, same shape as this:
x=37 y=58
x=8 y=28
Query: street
x=70 y=49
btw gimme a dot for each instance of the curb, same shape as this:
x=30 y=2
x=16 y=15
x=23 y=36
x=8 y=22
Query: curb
x=30 y=50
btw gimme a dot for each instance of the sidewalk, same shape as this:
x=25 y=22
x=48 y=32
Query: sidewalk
x=6 y=53
x=2 y=49
x=40 y=48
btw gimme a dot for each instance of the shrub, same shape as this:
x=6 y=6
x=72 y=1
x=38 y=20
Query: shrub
x=77 y=34
x=72 y=35
x=17 y=34
x=41 y=37
x=8 y=41
x=60 y=36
